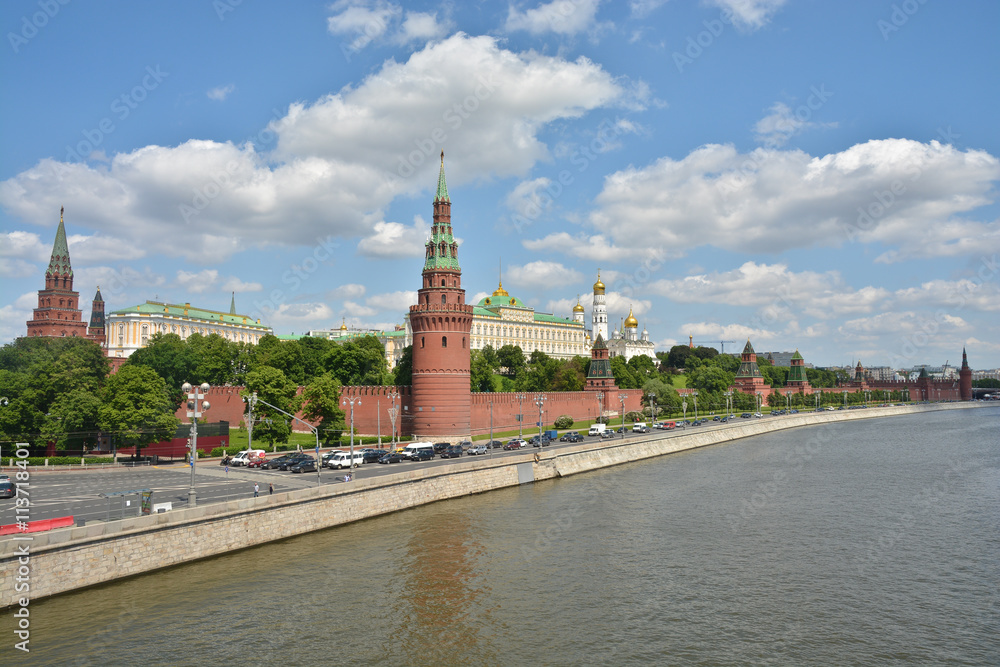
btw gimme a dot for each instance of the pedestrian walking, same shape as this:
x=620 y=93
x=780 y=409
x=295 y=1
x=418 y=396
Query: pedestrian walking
x=256 y=489
x=270 y=489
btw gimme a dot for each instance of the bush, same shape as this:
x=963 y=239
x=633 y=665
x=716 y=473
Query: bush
x=63 y=460
x=634 y=416
x=564 y=421
x=602 y=420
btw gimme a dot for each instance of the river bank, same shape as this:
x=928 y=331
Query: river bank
x=71 y=558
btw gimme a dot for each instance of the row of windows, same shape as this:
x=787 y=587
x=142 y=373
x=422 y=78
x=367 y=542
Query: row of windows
x=63 y=303
x=526 y=332
x=444 y=341
x=184 y=331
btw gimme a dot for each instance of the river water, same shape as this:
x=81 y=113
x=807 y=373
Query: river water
x=874 y=542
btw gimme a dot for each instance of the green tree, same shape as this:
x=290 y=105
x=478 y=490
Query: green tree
x=710 y=378
x=624 y=377
x=272 y=386
x=321 y=404
x=403 y=373
x=359 y=362
x=72 y=421
x=512 y=361
x=480 y=372
x=169 y=357
x=136 y=407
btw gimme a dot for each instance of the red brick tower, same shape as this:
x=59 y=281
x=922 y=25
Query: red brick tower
x=600 y=377
x=58 y=312
x=441 y=321
x=965 y=379
x=749 y=379
x=96 y=330
x=797 y=378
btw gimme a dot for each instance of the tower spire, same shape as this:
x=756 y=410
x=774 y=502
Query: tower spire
x=442 y=191
x=59 y=262
x=232 y=305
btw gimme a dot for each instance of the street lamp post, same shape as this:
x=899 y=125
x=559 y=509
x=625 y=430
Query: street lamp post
x=788 y=400
x=254 y=399
x=622 y=397
x=729 y=403
x=490 y=446
x=195 y=405
x=694 y=394
x=393 y=412
x=352 y=401
x=600 y=407
x=540 y=401
x=520 y=417
x=652 y=407
x=758 y=402
x=845 y=399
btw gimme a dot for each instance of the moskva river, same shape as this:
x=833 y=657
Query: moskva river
x=875 y=542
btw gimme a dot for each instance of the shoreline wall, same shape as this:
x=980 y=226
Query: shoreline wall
x=78 y=557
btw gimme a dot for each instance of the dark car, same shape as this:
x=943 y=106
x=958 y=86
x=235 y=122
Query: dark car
x=716 y=418
x=422 y=455
x=515 y=443
x=452 y=452
x=576 y=437
x=274 y=464
x=440 y=447
x=569 y=434
x=494 y=444
x=7 y=489
x=373 y=455
x=292 y=460
x=607 y=435
x=391 y=457
x=304 y=465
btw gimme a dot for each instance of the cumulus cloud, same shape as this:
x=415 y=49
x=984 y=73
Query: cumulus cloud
x=595 y=248
x=220 y=93
x=749 y=14
x=395 y=302
x=903 y=323
x=357 y=310
x=392 y=240
x=775 y=129
x=337 y=163
x=24 y=245
x=234 y=284
x=952 y=295
x=349 y=291
x=543 y=272
x=708 y=333
x=421 y=26
x=367 y=21
x=558 y=16
x=14 y=316
x=198 y=283
x=299 y=317
x=901 y=193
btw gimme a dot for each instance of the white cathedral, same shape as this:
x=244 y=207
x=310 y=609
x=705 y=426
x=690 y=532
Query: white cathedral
x=626 y=343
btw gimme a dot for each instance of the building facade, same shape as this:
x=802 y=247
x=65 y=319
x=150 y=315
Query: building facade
x=629 y=342
x=130 y=329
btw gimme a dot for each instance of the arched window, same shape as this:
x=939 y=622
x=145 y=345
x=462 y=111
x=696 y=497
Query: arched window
x=442 y=282
x=444 y=341
x=444 y=299
x=463 y=342
x=421 y=341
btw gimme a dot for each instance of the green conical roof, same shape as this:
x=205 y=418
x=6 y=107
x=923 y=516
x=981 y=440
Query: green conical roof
x=796 y=355
x=442 y=191
x=59 y=262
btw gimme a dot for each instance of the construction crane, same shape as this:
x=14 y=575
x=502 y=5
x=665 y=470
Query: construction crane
x=722 y=344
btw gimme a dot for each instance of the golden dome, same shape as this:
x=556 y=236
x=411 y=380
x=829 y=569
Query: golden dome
x=578 y=308
x=630 y=321
x=343 y=325
x=598 y=286
x=500 y=291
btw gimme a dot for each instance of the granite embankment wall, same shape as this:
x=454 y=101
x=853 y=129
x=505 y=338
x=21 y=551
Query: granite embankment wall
x=71 y=558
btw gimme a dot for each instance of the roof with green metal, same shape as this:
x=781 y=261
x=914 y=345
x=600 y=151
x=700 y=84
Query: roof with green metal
x=59 y=262
x=442 y=191
x=191 y=313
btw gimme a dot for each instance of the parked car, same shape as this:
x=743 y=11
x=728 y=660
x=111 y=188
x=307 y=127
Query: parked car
x=515 y=443
x=608 y=435
x=372 y=455
x=7 y=489
x=576 y=437
x=452 y=452
x=391 y=457
x=292 y=460
x=477 y=449
x=273 y=464
x=494 y=444
x=440 y=447
x=304 y=465
x=569 y=434
x=422 y=455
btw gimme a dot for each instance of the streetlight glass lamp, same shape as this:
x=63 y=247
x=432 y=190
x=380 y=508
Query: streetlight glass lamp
x=196 y=405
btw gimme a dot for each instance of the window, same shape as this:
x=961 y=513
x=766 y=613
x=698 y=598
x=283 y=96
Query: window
x=444 y=299
x=442 y=282
x=421 y=341
x=444 y=341
x=463 y=342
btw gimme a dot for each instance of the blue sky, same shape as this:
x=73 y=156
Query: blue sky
x=811 y=175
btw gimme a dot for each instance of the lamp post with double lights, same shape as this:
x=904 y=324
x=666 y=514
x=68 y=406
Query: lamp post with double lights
x=520 y=417
x=393 y=413
x=694 y=395
x=352 y=401
x=196 y=404
x=622 y=397
x=540 y=401
x=729 y=404
x=253 y=398
x=758 y=403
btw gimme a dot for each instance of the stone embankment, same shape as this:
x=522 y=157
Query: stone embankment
x=71 y=558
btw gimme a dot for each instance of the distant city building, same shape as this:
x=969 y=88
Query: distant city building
x=130 y=329
x=58 y=314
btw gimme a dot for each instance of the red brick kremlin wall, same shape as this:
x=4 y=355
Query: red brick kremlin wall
x=227 y=405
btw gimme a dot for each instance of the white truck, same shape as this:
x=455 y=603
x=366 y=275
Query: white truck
x=597 y=429
x=246 y=456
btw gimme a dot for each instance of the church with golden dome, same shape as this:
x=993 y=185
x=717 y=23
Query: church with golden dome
x=627 y=342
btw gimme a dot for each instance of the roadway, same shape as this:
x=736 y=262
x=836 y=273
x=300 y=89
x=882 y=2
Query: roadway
x=77 y=493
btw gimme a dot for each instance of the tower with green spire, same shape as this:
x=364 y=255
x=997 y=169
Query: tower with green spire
x=441 y=322
x=58 y=312
x=797 y=378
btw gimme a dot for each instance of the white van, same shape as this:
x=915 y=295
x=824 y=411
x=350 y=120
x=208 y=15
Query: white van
x=410 y=451
x=343 y=460
x=246 y=456
x=640 y=427
x=597 y=429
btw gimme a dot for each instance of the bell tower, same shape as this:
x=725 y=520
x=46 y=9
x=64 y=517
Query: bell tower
x=441 y=322
x=58 y=312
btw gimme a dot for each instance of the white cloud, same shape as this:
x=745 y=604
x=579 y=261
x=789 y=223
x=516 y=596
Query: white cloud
x=395 y=302
x=349 y=291
x=903 y=323
x=24 y=245
x=337 y=163
x=775 y=129
x=953 y=295
x=299 y=317
x=198 y=283
x=220 y=93
x=749 y=14
x=234 y=284
x=420 y=26
x=558 y=16
x=594 y=248
x=708 y=333
x=542 y=273
x=367 y=20
x=96 y=248
x=358 y=310
x=11 y=267
x=896 y=192
x=392 y=239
